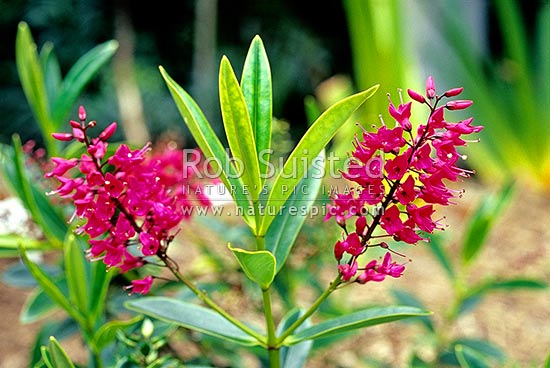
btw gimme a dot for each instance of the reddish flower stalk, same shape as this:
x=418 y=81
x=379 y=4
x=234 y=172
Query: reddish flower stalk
x=404 y=187
x=132 y=203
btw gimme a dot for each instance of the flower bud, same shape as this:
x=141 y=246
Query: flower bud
x=454 y=92
x=81 y=113
x=108 y=132
x=416 y=96
x=430 y=87
x=75 y=124
x=459 y=104
x=63 y=136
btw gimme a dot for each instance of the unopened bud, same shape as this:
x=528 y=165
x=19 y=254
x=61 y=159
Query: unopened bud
x=82 y=113
x=416 y=96
x=108 y=132
x=454 y=92
x=430 y=87
x=459 y=104
x=75 y=124
x=63 y=136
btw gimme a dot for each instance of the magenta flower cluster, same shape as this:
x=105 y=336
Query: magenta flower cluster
x=132 y=202
x=401 y=172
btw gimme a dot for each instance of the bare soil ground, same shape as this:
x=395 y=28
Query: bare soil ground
x=519 y=322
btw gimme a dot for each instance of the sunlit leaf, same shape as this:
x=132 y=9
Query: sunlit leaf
x=258 y=265
x=256 y=87
x=238 y=129
x=312 y=143
x=209 y=144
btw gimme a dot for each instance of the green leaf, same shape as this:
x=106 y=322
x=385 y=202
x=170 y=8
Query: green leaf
x=75 y=272
x=49 y=287
x=52 y=224
x=477 y=292
x=258 y=265
x=284 y=229
x=441 y=255
x=108 y=332
x=482 y=221
x=257 y=91
x=547 y=362
x=483 y=348
x=209 y=144
x=294 y=356
x=37 y=306
x=46 y=357
x=59 y=357
x=32 y=77
x=80 y=74
x=191 y=316
x=312 y=143
x=52 y=72
x=12 y=241
x=238 y=129
x=409 y=299
x=100 y=280
x=469 y=358
x=361 y=319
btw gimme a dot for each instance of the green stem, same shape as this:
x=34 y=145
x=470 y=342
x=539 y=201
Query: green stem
x=273 y=350
x=212 y=304
x=333 y=285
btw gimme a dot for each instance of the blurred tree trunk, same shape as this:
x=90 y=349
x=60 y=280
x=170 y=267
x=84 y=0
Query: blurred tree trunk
x=204 y=73
x=127 y=90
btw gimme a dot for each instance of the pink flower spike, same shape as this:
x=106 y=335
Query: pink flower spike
x=81 y=113
x=430 y=87
x=140 y=286
x=108 y=132
x=459 y=104
x=65 y=137
x=416 y=96
x=454 y=92
x=75 y=124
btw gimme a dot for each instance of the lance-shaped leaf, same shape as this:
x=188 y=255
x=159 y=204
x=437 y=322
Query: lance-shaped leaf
x=58 y=356
x=209 y=144
x=257 y=91
x=285 y=227
x=191 y=316
x=50 y=288
x=43 y=212
x=469 y=358
x=294 y=356
x=75 y=271
x=80 y=74
x=483 y=221
x=258 y=265
x=312 y=143
x=353 y=321
x=238 y=129
x=32 y=77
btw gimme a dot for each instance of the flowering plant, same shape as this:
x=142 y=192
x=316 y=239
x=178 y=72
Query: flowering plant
x=129 y=206
x=132 y=212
